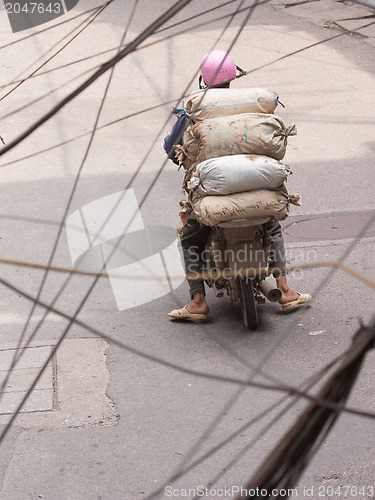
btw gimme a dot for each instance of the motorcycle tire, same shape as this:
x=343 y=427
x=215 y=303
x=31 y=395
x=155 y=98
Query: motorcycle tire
x=248 y=303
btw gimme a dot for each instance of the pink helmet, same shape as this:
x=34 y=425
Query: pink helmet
x=214 y=60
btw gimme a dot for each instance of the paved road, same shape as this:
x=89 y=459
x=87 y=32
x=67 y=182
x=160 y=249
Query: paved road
x=105 y=422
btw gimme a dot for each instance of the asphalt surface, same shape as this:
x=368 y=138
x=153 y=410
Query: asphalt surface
x=124 y=413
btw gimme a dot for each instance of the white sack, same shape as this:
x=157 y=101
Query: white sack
x=238 y=173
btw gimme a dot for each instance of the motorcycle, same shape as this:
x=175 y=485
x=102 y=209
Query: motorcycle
x=237 y=256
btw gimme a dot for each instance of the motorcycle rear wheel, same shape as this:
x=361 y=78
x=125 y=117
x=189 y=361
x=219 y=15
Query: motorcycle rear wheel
x=248 y=303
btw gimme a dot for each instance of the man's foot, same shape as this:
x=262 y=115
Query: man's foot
x=288 y=295
x=302 y=298
x=183 y=313
x=198 y=305
x=198 y=309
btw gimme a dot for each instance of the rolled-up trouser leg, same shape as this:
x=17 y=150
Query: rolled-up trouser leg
x=277 y=257
x=193 y=239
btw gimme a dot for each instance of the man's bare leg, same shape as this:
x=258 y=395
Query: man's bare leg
x=199 y=304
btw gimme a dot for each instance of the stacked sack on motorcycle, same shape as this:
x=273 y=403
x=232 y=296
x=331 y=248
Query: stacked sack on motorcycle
x=219 y=102
x=214 y=210
x=245 y=133
x=231 y=154
x=234 y=174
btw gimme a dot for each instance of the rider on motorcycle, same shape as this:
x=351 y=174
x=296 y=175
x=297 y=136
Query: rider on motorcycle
x=194 y=235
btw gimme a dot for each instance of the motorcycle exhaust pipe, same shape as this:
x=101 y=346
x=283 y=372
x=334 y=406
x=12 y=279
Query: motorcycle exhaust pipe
x=269 y=291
